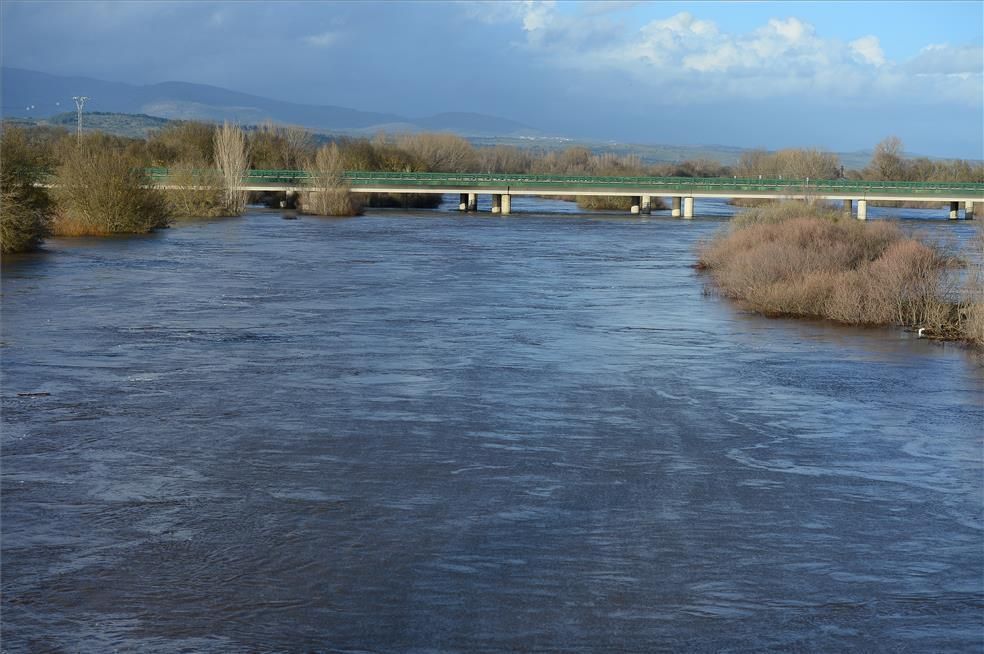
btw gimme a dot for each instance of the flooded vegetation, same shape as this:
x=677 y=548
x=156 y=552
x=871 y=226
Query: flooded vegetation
x=435 y=431
x=98 y=185
x=803 y=260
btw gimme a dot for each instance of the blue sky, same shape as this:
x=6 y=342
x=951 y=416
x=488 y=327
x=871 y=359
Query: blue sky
x=834 y=75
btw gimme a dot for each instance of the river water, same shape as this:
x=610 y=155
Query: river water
x=421 y=431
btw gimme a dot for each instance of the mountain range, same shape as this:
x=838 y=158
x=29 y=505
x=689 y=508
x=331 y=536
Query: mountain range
x=27 y=93
x=134 y=110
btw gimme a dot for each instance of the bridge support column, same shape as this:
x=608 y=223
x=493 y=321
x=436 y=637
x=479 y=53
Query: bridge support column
x=848 y=208
x=954 y=210
x=688 y=207
x=496 y=202
x=462 y=202
x=647 y=204
x=675 y=211
x=969 y=210
x=862 y=209
x=635 y=204
x=473 y=202
x=506 y=204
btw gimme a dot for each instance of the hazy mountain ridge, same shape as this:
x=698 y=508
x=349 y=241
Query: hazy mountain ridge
x=133 y=110
x=39 y=95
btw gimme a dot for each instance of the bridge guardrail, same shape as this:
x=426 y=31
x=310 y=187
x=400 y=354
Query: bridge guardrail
x=653 y=185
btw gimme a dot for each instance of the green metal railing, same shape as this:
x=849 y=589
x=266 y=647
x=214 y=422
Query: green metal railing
x=573 y=183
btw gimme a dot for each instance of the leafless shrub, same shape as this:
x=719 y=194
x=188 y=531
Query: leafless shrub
x=100 y=191
x=182 y=141
x=791 y=164
x=773 y=212
x=327 y=193
x=504 y=159
x=819 y=266
x=232 y=159
x=972 y=304
x=279 y=147
x=440 y=152
x=296 y=145
x=196 y=191
x=25 y=209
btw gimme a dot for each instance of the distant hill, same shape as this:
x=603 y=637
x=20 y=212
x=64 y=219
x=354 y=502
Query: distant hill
x=29 y=93
x=140 y=126
x=132 y=125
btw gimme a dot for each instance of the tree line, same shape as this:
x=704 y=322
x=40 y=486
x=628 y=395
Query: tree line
x=99 y=187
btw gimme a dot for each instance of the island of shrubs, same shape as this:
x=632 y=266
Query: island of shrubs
x=809 y=260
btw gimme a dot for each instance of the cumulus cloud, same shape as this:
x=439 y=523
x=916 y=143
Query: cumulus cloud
x=689 y=58
x=868 y=50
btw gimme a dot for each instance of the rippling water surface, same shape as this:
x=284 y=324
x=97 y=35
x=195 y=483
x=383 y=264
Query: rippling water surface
x=432 y=432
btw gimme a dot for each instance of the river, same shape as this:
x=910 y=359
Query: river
x=425 y=431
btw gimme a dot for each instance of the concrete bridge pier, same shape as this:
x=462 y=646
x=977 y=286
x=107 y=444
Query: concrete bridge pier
x=862 y=209
x=647 y=204
x=496 y=202
x=473 y=202
x=954 y=210
x=688 y=207
x=506 y=204
x=969 y=210
x=462 y=202
x=848 y=208
x=636 y=201
x=675 y=211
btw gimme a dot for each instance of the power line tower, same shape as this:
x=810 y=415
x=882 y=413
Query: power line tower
x=79 y=104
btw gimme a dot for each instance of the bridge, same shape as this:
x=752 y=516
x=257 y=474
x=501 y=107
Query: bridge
x=683 y=191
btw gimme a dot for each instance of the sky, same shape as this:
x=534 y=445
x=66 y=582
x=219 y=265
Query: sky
x=839 y=76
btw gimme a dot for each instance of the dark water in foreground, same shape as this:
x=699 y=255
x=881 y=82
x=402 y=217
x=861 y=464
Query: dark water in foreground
x=425 y=432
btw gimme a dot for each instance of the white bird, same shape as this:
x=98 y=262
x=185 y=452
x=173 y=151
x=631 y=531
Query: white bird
x=921 y=333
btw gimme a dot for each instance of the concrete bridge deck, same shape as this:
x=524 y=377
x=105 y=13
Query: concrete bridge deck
x=682 y=190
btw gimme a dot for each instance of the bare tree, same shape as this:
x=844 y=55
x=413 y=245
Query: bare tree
x=792 y=163
x=327 y=193
x=232 y=159
x=296 y=142
x=440 y=152
x=888 y=160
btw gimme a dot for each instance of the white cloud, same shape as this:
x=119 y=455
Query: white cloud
x=537 y=15
x=944 y=59
x=323 y=40
x=868 y=49
x=791 y=29
x=686 y=58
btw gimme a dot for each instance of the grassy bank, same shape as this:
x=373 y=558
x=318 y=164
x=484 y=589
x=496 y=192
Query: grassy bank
x=802 y=260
